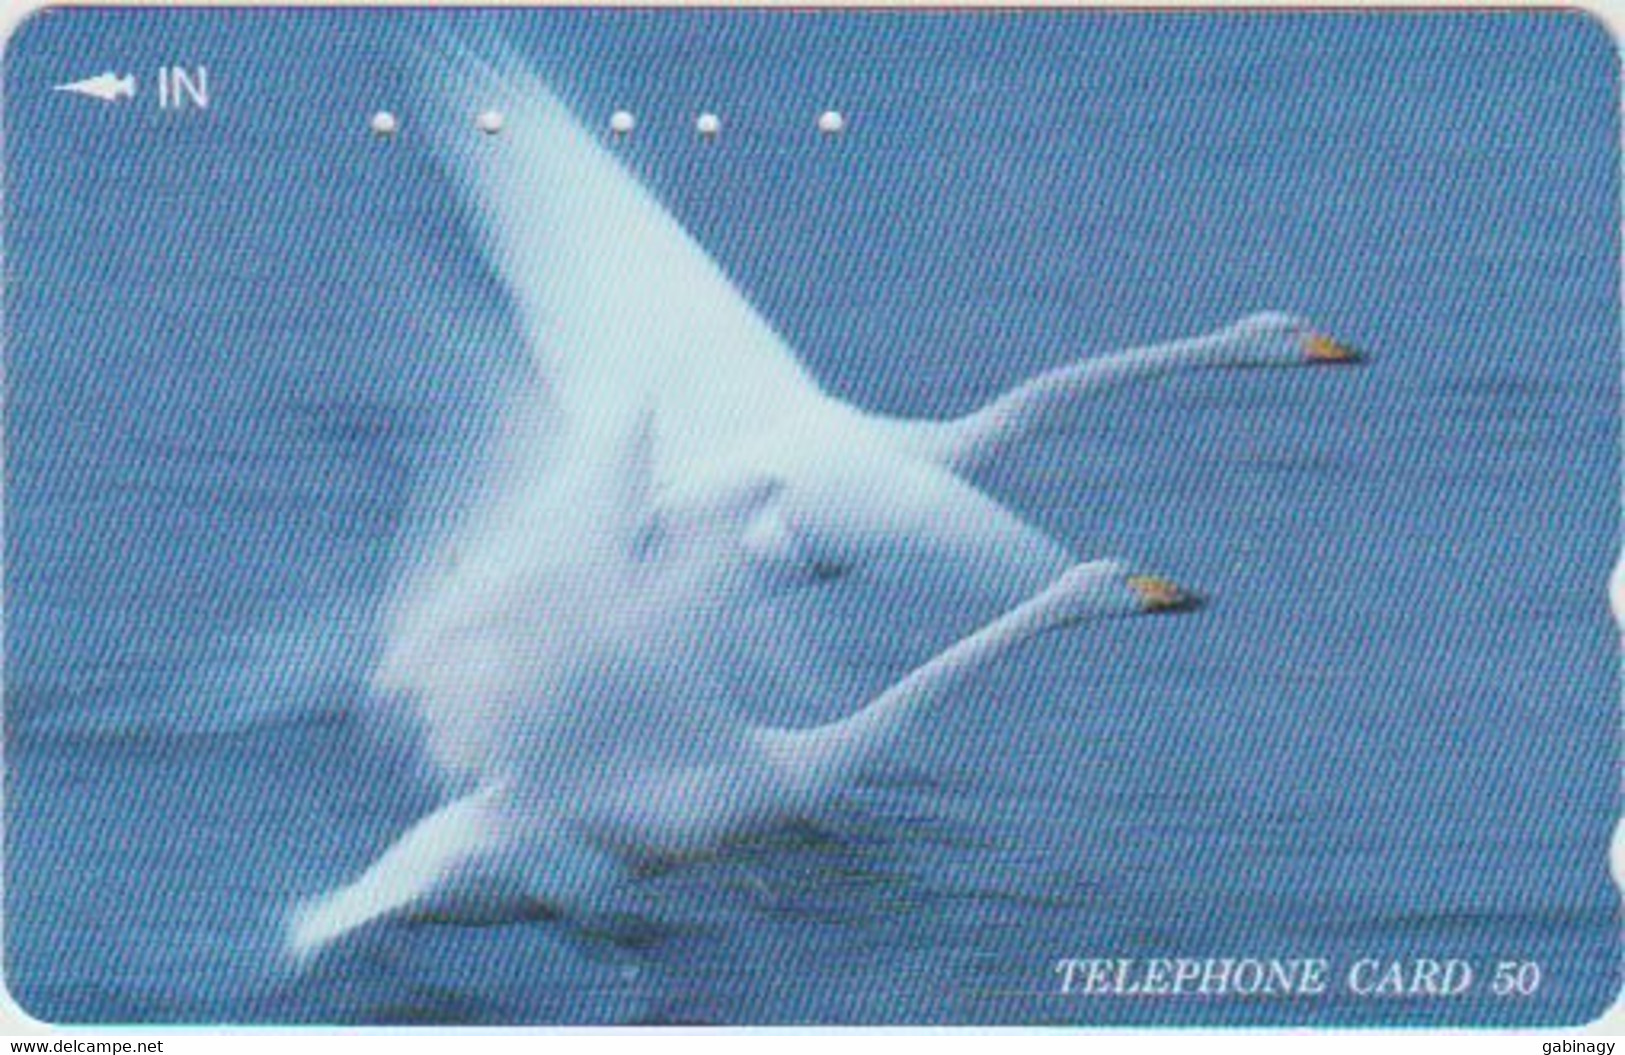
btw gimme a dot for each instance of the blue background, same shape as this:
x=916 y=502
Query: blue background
x=237 y=339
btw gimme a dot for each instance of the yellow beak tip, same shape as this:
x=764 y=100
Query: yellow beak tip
x=1161 y=595
x=1318 y=348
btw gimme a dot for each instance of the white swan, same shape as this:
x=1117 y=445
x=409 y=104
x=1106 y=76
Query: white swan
x=680 y=532
x=593 y=799
x=1051 y=401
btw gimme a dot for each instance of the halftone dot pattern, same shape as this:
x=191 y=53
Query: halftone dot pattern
x=376 y=449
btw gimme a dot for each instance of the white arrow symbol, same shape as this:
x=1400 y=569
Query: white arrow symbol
x=107 y=87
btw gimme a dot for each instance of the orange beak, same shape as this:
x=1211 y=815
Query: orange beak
x=1160 y=595
x=1318 y=348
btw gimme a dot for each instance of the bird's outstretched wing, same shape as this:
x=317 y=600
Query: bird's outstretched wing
x=617 y=302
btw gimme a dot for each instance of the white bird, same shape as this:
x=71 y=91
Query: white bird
x=679 y=531
x=594 y=799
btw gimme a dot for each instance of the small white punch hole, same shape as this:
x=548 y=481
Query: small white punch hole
x=621 y=122
x=384 y=124
x=489 y=122
x=831 y=122
x=708 y=125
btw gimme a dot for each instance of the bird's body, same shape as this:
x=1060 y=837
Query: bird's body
x=647 y=773
x=685 y=533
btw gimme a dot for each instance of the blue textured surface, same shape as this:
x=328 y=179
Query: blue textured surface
x=236 y=338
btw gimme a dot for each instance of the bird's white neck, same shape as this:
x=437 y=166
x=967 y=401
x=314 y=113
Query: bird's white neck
x=817 y=762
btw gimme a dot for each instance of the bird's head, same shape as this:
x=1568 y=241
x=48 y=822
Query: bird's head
x=1107 y=589
x=1278 y=339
